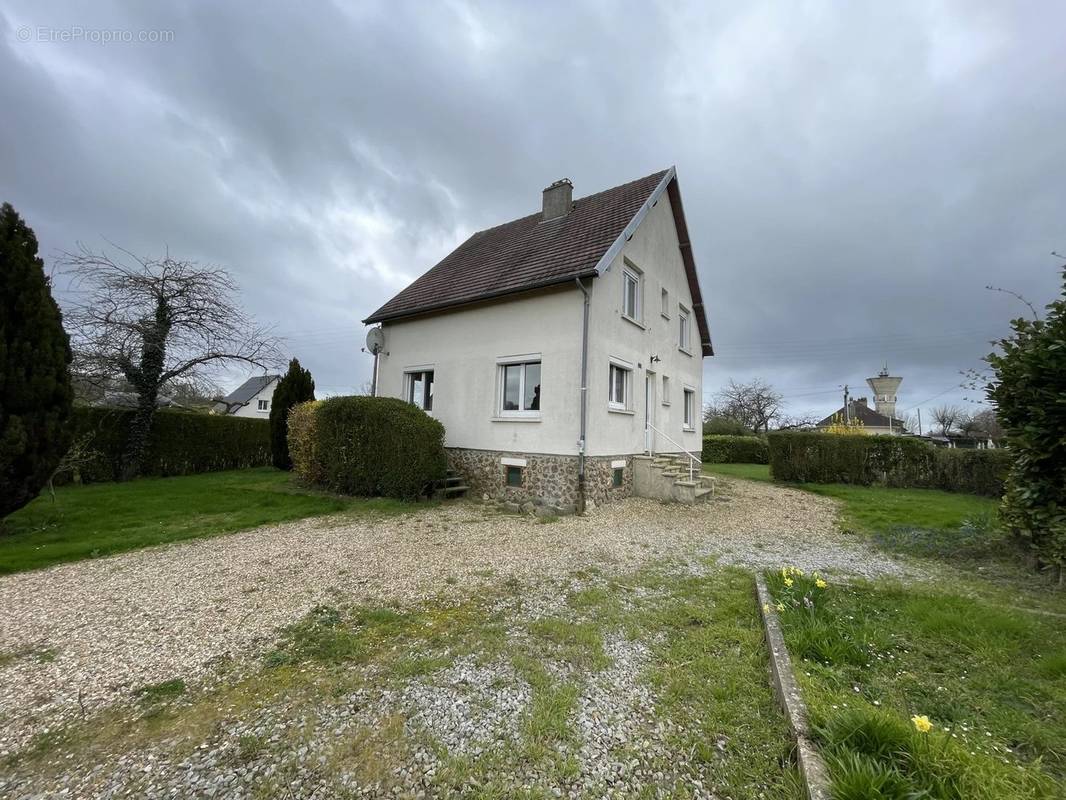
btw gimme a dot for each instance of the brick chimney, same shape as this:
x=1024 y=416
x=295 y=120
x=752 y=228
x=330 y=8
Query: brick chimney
x=862 y=401
x=558 y=199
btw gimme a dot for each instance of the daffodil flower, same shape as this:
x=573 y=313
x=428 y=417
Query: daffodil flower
x=788 y=581
x=922 y=723
x=820 y=583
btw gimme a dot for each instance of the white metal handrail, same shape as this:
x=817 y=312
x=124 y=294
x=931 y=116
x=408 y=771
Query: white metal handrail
x=692 y=459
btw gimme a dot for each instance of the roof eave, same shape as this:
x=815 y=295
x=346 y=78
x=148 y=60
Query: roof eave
x=448 y=306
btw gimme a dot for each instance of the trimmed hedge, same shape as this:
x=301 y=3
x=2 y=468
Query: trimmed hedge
x=377 y=446
x=887 y=461
x=301 y=437
x=180 y=443
x=735 y=450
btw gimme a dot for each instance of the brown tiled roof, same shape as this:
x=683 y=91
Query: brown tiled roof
x=529 y=253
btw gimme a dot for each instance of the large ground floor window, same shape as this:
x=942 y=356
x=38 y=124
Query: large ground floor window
x=420 y=389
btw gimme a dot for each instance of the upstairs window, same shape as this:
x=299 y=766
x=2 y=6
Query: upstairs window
x=690 y=410
x=666 y=304
x=683 y=328
x=520 y=389
x=420 y=389
x=264 y=405
x=631 y=293
x=619 y=390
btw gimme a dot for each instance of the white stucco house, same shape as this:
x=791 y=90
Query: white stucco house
x=558 y=348
x=251 y=399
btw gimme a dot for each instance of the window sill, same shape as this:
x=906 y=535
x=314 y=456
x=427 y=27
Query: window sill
x=515 y=419
x=686 y=352
x=665 y=316
x=632 y=321
x=666 y=404
x=628 y=411
x=687 y=429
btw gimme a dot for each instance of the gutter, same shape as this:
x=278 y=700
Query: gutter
x=584 y=397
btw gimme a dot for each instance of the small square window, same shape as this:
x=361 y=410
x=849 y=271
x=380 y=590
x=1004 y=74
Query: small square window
x=514 y=476
x=617 y=476
x=264 y=405
x=683 y=328
x=666 y=391
x=520 y=389
x=666 y=304
x=420 y=389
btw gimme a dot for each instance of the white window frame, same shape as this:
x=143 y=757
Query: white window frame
x=665 y=311
x=408 y=385
x=626 y=403
x=666 y=390
x=688 y=418
x=684 y=329
x=632 y=273
x=501 y=386
x=263 y=405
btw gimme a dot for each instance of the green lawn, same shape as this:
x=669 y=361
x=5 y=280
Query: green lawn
x=990 y=679
x=918 y=521
x=107 y=518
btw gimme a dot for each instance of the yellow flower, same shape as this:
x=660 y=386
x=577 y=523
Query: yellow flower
x=780 y=606
x=788 y=581
x=820 y=583
x=766 y=608
x=922 y=723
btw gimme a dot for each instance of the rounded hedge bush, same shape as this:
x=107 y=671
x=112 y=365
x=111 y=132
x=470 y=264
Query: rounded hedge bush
x=377 y=446
x=719 y=449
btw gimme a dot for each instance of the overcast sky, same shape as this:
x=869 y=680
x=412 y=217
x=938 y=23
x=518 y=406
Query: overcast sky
x=853 y=174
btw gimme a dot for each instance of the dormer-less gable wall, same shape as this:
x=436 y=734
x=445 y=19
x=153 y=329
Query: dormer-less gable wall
x=630 y=342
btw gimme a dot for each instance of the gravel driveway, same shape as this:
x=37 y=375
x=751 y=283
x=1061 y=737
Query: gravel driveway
x=77 y=637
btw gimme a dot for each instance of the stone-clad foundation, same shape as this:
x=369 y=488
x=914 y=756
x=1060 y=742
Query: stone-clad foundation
x=548 y=483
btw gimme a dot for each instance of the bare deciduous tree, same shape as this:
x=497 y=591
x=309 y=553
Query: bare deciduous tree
x=153 y=322
x=947 y=417
x=755 y=405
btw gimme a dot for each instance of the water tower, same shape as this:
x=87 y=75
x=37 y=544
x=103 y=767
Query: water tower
x=884 y=388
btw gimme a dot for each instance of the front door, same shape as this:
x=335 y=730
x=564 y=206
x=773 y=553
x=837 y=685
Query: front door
x=649 y=412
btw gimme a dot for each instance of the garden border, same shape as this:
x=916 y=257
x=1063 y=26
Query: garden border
x=811 y=766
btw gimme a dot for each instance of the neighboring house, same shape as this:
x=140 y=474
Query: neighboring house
x=960 y=441
x=251 y=399
x=880 y=419
x=859 y=411
x=498 y=340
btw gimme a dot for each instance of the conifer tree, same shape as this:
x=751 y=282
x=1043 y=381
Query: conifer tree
x=36 y=397
x=296 y=386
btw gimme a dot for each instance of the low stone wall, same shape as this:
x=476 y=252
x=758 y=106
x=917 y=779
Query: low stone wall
x=549 y=482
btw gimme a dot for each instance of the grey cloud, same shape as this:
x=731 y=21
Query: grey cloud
x=853 y=174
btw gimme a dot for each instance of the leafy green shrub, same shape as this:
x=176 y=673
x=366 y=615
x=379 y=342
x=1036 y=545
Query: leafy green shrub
x=302 y=442
x=378 y=446
x=735 y=450
x=180 y=443
x=886 y=461
x=717 y=425
x=1028 y=388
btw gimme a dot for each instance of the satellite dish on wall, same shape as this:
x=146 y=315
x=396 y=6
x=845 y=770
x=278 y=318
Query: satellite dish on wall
x=375 y=340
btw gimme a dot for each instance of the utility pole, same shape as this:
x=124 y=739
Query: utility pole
x=847 y=411
x=919 y=422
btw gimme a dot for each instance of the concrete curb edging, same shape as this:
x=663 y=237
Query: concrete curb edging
x=809 y=760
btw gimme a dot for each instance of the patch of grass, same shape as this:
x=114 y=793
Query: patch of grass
x=989 y=677
x=578 y=643
x=161 y=692
x=103 y=519
x=750 y=472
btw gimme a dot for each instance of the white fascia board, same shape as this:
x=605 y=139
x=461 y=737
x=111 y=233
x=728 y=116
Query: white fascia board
x=634 y=223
